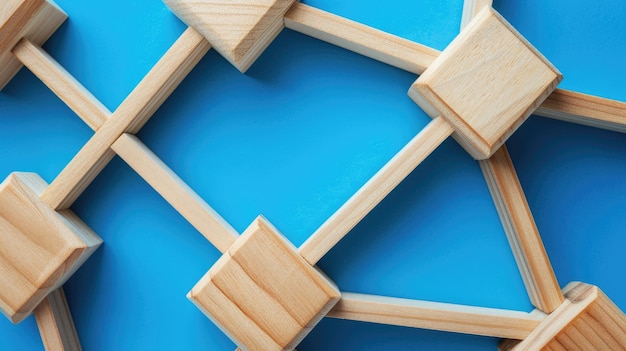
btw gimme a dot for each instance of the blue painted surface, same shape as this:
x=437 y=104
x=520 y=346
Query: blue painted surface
x=293 y=139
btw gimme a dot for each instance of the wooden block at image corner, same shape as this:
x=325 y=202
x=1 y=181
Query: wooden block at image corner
x=39 y=248
x=485 y=83
x=35 y=20
x=240 y=30
x=262 y=293
x=588 y=320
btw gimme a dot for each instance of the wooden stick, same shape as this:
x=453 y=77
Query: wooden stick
x=521 y=230
x=55 y=323
x=436 y=316
x=129 y=117
x=175 y=191
x=471 y=9
x=360 y=38
x=379 y=186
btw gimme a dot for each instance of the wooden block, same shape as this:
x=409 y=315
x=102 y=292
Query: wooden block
x=39 y=248
x=587 y=320
x=486 y=83
x=35 y=20
x=262 y=293
x=240 y=30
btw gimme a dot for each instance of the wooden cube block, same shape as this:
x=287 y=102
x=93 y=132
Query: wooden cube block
x=39 y=248
x=587 y=320
x=240 y=30
x=35 y=20
x=262 y=293
x=485 y=83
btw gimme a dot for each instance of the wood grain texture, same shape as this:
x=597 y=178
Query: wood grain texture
x=521 y=230
x=55 y=323
x=240 y=30
x=131 y=115
x=160 y=177
x=486 y=83
x=436 y=316
x=39 y=248
x=354 y=36
x=375 y=190
x=471 y=8
x=589 y=110
x=262 y=293
x=587 y=320
x=35 y=20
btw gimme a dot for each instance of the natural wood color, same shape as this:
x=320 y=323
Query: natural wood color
x=471 y=8
x=436 y=316
x=62 y=83
x=485 y=83
x=175 y=191
x=39 y=248
x=35 y=20
x=240 y=30
x=584 y=109
x=55 y=323
x=521 y=230
x=136 y=109
x=587 y=320
x=354 y=36
x=262 y=293
x=375 y=190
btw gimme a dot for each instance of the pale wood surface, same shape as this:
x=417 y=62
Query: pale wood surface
x=240 y=30
x=471 y=8
x=191 y=206
x=136 y=109
x=584 y=109
x=521 y=231
x=262 y=293
x=55 y=323
x=39 y=248
x=486 y=83
x=35 y=20
x=375 y=190
x=354 y=36
x=436 y=316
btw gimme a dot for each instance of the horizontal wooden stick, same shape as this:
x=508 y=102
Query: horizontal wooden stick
x=354 y=36
x=55 y=323
x=375 y=190
x=436 y=316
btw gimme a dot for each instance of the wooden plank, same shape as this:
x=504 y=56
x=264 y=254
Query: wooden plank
x=436 y=316
x=189 y=204
x=589 y=110
x=55 y=323
x=354 y=36
x=138 y=107
x=521 y=231
x=471 y=9
x=375 y=190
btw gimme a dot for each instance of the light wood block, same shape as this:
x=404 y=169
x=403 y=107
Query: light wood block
x=437 y=316
x=35 y=20
x=262 y=293
x=55 y=323
x=587 y=320
x=39 y=248
x=240 y=30
x=486 y=83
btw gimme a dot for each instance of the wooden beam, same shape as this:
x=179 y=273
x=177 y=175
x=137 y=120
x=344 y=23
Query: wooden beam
x=376 y=189
x=436 y=316
x=354 y=36
x=55 y=323
x=471 y=9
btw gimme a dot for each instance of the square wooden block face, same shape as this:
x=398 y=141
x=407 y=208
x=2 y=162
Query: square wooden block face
x=262 y=293
x=486 y=83
x=35 y=20
x=39 y=248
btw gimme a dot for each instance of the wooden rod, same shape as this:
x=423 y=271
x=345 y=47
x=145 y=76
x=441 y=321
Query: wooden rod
x=138 y=107
x=55 y=323
x=471 y=9
x=436 y=316
x=354 y=36
x=379 y=186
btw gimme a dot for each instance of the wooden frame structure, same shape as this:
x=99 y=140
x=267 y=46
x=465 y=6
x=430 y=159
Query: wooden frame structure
x=579 y=317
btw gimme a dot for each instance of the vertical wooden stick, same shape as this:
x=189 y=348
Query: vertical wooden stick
x=55 y=323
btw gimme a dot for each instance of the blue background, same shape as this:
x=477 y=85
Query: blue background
x=293 y=139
